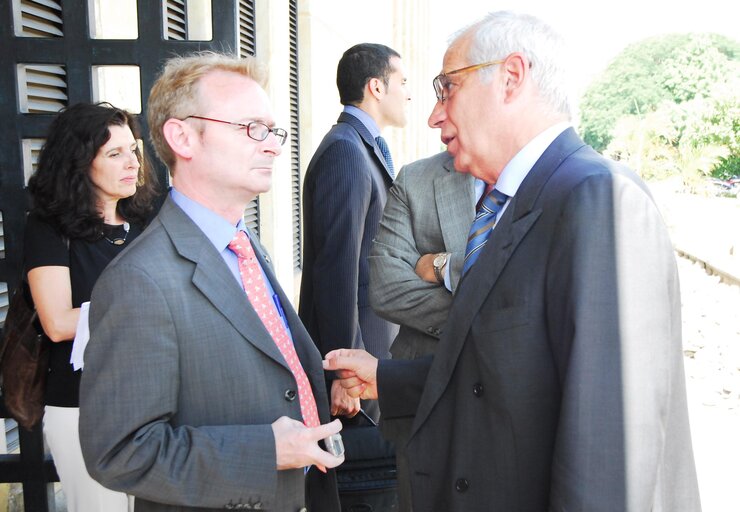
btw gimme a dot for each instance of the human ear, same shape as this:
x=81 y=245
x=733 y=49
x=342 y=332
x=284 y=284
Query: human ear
x=376 y=88
x=516 y=71
x=179 y=136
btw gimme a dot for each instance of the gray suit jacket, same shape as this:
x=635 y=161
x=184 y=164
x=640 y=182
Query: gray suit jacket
x=182 y=381
x=558 y=384
x=430 y=209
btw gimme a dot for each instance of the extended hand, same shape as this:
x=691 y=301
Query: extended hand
x=342 y=404
x=297 y=446
x=357 y=371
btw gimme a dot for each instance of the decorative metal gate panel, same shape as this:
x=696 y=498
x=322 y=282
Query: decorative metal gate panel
x=48 y=60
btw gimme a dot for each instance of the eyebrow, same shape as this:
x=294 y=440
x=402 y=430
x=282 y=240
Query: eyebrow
x=119 y=148
x=262 y=120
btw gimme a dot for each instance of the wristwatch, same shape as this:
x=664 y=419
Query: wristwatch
x=439 y=262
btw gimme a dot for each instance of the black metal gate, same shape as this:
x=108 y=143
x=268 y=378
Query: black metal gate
x=47 y=56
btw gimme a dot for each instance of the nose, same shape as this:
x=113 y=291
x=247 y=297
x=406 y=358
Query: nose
x=271 y=145
x=438 y=115
x=133 y=160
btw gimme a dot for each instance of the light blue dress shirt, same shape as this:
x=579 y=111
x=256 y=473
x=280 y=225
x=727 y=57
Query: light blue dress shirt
x=220 y=232
x=364 y=118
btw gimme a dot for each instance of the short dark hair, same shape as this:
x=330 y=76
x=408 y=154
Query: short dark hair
x=358 y=65
x=62 y=191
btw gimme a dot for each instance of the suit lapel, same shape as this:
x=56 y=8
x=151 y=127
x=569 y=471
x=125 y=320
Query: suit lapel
x=519 y=217
x=369 y=141
x=213 y=278
x=454 y=194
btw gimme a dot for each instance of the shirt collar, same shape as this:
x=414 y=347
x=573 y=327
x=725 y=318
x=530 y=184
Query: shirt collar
x=364 y=118
x=217 y=229
x=518 y=167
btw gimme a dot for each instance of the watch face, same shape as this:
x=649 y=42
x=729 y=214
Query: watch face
x=439 y=260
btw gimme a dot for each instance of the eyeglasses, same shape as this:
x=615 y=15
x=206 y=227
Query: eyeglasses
x=256 y=130
x=442 y=81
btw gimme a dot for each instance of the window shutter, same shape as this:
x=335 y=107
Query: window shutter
x=175 y=20
x=295 y=154
x=37 y=18
x=42 y=88
x=247 y=28
x=248 y=46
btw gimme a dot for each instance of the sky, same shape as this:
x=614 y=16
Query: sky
x=597 y=31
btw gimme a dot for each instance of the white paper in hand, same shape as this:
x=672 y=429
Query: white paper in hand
x=81 y=338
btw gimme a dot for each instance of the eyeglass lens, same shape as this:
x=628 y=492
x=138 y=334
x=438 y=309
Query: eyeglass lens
x=259 y=131
x=440 y=84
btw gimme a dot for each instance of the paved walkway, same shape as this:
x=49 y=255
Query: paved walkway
x=707 y=231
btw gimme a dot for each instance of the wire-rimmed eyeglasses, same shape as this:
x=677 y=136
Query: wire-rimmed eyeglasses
x=256 y=130
x=442 y=81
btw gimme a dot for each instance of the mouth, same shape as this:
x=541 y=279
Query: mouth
x=129 y=179
x=447 y=141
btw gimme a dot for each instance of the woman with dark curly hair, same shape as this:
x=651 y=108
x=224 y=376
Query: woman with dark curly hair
x=91 y=197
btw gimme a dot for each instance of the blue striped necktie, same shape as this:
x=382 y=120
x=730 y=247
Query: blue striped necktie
x=383 y=146
x=485 y=219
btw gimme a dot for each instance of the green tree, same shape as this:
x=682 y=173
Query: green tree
x=675 y=68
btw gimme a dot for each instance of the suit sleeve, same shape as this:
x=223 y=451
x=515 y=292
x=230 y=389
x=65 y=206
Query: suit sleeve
x=132 y=362
x=396 y=292
x=340 y=200
x=401 y=385
x=614 y=319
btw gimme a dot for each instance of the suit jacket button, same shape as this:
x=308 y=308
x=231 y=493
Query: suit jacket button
x=303 y=509
x=290 y=395
x=461 y=485
x=478 y=389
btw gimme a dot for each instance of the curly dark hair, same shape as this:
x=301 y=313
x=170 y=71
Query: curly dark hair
x=62 y=191
x=358 y=65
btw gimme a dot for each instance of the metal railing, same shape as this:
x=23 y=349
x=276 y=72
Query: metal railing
x=31 y=467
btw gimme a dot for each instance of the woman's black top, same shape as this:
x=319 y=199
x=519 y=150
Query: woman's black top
x=45 y=246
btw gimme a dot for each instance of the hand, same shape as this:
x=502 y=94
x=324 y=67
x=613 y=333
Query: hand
x=357 y=371
x=425 y=268
x=297 y=446
x=342 y=404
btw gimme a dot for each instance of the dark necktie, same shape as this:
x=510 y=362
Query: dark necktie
x=485 y=219
x=383 y=146
x=254 y=286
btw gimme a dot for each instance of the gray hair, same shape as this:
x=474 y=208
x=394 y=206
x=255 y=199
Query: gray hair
x=502 y=33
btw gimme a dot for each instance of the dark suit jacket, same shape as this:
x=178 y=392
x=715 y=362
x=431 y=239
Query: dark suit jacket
x=558 y=383
x=344 y=193
x=182 y=381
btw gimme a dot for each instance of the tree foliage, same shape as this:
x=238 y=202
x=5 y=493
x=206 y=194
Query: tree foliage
x=669 y=105
x=675 y=67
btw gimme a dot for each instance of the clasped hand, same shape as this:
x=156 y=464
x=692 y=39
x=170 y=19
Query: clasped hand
x=356 y=371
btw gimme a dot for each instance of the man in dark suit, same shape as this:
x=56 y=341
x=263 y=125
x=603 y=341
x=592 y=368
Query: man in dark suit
x=344 y=193
x=202 y=390
x=558 y=382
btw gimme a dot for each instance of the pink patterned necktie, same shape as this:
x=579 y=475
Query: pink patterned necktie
x=254 y=286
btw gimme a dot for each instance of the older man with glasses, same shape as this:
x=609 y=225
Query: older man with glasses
x=202 y=390
x=558 y=381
